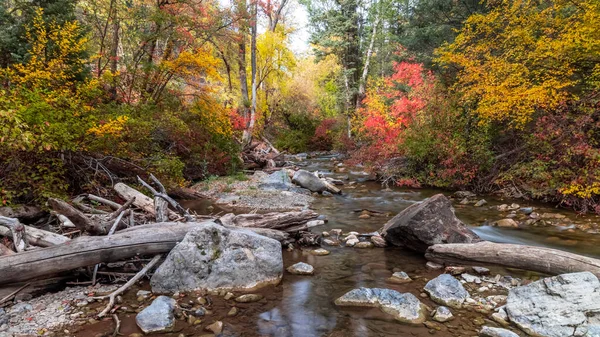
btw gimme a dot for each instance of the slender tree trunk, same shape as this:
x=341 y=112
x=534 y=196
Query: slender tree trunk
x=363 y=80
x=113 y=54
x=247 y=137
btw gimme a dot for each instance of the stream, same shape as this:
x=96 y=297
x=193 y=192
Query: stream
x=303 y=306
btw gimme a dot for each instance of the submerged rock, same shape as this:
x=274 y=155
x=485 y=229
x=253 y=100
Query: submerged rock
x=320 y=252
x=563 y=305
x=214 y=257
x=301 y=268
x=158 y=317
x=487 y=331
x=405 y=308
x=427 y=223
x=446 y=290
x=507 y=223
x=309 y=181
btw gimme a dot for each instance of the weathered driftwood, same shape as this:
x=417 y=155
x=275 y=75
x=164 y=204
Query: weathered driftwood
x=280 y=221
x=141 y=200
x=115 y=206
x=17 y=231
x=96 y=224
x=539 y=259
x=162 y=193
x=39 y=237
x=87 y=251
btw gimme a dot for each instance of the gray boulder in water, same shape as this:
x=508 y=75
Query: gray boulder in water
x=158 y=317
x=405 y=307
x=213 y=257
x=563 y=305
x=280 y=181
x=309 y=181
x=446 y=290
x=427 y=223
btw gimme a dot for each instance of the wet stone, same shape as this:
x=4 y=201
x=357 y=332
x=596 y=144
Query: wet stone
x=481 y=270
x=453 y=270
x=216 y=327
x=158 y=316
x=378 y=241
x=248 y=298
x=446 y=290
x=433 y=265
x=320 y=252
x=301 y=268
x=405 y=307
x=364 y=245
x=399 y=277
x=442 y=314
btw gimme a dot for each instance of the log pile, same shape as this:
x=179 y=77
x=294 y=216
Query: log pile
x=99 y=237
x=262 y=155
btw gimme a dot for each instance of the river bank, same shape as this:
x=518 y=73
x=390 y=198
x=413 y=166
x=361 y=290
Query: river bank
x=304 y=305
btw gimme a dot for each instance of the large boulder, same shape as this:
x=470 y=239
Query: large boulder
x=280 y=181
x=446 y=290
x=405 y=307
x=563 y=305
x=427 y=223
x=309 y=181
x=158 y=317
x=213 y=257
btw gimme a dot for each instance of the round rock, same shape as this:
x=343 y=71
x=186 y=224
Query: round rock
x=301 y=268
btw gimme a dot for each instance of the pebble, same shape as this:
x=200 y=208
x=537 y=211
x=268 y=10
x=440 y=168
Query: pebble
x=325 y=234
x=378 y=241
x=352 y=242
x=364 y=244
x=480 y=203
x=248 y=298
x=442 y=314
x=233 y=311
x=471 y=278
x=399 y=277
x=331 y=242
x=228 y=296
x=481 y=270
x=453 y=270
x=320 y=252
x=433 y=265
x=216 y=327
x=364 y=216
x=301 y=268
x=336 y=231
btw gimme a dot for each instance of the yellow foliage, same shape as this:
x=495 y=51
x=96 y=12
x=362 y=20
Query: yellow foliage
x=526 y=55
x=111 y=128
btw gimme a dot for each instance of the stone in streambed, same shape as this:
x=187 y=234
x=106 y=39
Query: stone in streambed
x=249 y=298
x=158 y=317
x=507 y=223
x=563 y=305
x=301 y=268
x=442 y=314
x=446 y=290
x=320 y=252
x=212 y=257
x=405 y=308
x=487 y=331
x=427 y=223
x=378 y=241
x=399 y=277
x=309 y=181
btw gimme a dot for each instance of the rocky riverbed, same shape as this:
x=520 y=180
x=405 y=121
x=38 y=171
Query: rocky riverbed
x=351 y=286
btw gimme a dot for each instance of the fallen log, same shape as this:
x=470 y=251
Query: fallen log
x=539 y=259
x=280 y=221
x=85 y=251
x=141 y=200
x=39 y=237
x=90 y=250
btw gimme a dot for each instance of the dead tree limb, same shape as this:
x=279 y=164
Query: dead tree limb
x=109 y=203
x=539 y=259
x=121 y=209
x=276 y=220
x=14 y=293
x=141 y=200
x=39 y=237
x=163 y=194
x=18 y=232
x=111 y=297
x=79 y=219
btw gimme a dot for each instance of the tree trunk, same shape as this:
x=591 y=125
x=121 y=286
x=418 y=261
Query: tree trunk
x=543 y=260
x=363 y=80
x=247 y=136
x=113 y=53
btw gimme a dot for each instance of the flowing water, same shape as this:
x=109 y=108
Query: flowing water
x=304 y=305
